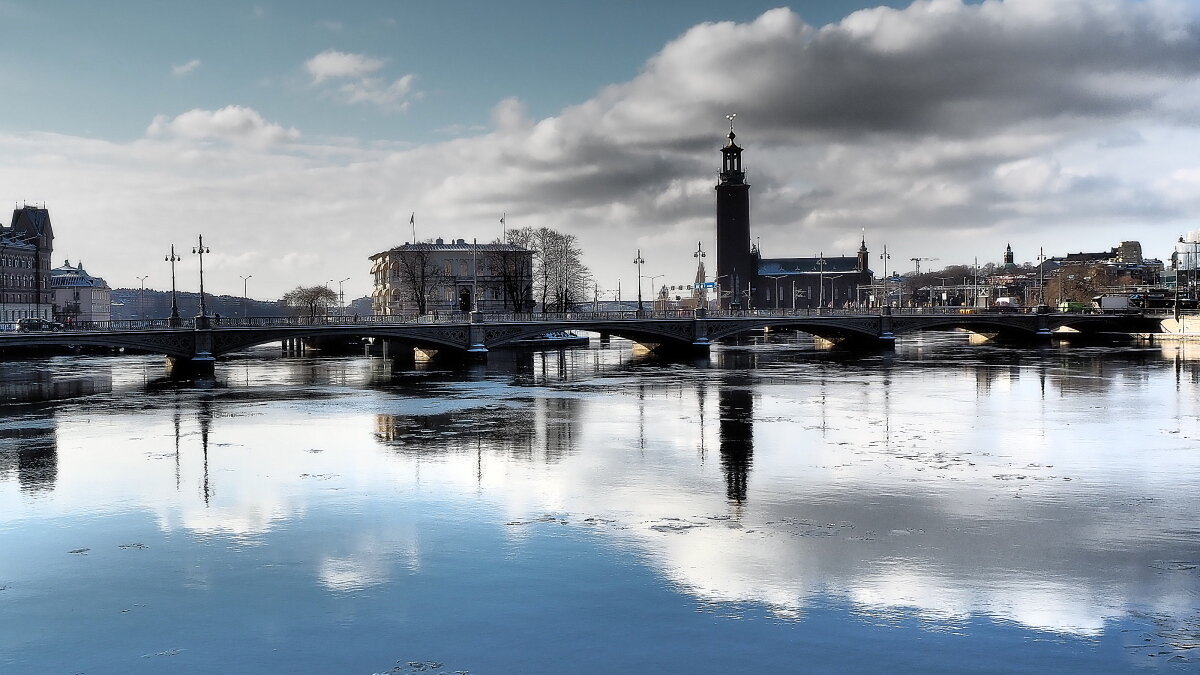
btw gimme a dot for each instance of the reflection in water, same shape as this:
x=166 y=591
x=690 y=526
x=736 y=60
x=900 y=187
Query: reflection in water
x=736 y=404
x=29 y=450
x=986 y=500
x=205 y=417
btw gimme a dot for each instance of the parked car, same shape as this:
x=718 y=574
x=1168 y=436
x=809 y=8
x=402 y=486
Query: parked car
x=35 y=323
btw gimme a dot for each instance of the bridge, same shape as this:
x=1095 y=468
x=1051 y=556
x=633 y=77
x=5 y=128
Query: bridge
x=193 y=345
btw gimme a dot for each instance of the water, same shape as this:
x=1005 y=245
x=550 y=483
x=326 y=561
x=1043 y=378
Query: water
x=950 y=508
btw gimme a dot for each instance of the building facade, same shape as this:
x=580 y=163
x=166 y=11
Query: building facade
x=25 y=249
x=457 y=276
x=746 y=280
x=78 y=296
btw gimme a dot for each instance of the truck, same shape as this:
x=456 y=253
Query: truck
x=1112 y=303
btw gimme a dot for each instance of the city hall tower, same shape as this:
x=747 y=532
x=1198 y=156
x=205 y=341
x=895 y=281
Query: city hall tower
x=735 y=263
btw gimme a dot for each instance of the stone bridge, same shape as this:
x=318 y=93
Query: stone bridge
x=474 y=335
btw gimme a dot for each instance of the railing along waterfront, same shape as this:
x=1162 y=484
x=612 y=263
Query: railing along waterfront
x=121 y=325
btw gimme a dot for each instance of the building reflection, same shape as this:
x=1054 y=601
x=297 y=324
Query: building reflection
x=29 y=451
x=537 y=430
x=28 y=429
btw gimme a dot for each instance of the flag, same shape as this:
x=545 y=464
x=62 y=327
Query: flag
x=412 y=220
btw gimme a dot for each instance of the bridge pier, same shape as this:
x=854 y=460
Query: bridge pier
x=887 y=339
x=477 y=351
x=183 y=368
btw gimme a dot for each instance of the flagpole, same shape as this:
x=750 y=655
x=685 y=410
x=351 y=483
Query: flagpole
x=503 y=230
x=412 y=220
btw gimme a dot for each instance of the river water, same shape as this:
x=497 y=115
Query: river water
x=778 y=508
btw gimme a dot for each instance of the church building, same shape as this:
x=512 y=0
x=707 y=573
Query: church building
x=746 y=280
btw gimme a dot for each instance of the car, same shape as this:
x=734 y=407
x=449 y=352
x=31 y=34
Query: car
x=34 y=323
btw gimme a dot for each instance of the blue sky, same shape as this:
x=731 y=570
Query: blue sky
x=105 y=69
x=300 y=136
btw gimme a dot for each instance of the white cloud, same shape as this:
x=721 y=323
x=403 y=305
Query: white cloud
x=232 y=123
x=331 y=64
x=363 y=86
x=980 y=124
x=185 y=68
x=371 y=90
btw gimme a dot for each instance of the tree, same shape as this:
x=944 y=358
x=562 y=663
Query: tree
x=515 y=277
x=1080 y=282
x=419 y=274
x=310 y=298
x=560 y=278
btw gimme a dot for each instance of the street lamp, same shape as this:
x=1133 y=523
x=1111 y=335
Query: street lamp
x=1041 y=276
x=173 y=321
x=639 y=261
x=821 y=282
x=142 y=295
x=342 y=296
x=887 y=298
x=943 y=280
x=651 y=277
x=702 y=300
x=776 y=277
x=245 y=294
x=200 y=249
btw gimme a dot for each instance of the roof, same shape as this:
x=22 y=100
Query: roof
x=72 y=277
x=10 y=239
x=459 y=245
x=32 y=221
x=840 y=264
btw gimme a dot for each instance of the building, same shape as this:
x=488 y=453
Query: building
x=451 y=277
x=79 y=296
x=747 y=280
x=822 y=281
x=25 y=249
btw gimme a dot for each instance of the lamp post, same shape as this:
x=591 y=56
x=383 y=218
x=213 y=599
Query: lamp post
x=200 y=249
x=342 y=296
x=173 y=320
x=887 y=298
x=702 y=300
x=821 y=282
x=776 y=277
x=639 y=261
x=651 y=277
x=142 y=295
x=943 y=280
x=245 y=294
x=1041 y=276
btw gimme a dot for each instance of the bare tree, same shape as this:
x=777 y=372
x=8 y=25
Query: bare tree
x=1079 y=282
x=311 y=298
x=561 y=280
x=515 y=277
x=419 y=274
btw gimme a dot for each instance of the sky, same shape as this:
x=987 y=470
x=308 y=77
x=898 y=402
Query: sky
x=300 y=137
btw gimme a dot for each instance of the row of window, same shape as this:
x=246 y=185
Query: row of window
x=16 y=281
x=14 y=261
x=17 y=297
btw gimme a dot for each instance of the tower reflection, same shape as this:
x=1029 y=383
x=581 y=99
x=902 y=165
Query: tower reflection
x=735 y=403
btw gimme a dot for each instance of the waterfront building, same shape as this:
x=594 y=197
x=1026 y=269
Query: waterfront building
x=79 y=296
x=745 y=279
x=25 y=249
x=424 y=277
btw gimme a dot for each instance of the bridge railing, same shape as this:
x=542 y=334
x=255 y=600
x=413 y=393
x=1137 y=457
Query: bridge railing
x=562 y=317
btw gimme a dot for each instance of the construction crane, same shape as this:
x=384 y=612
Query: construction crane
x=917 y=262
